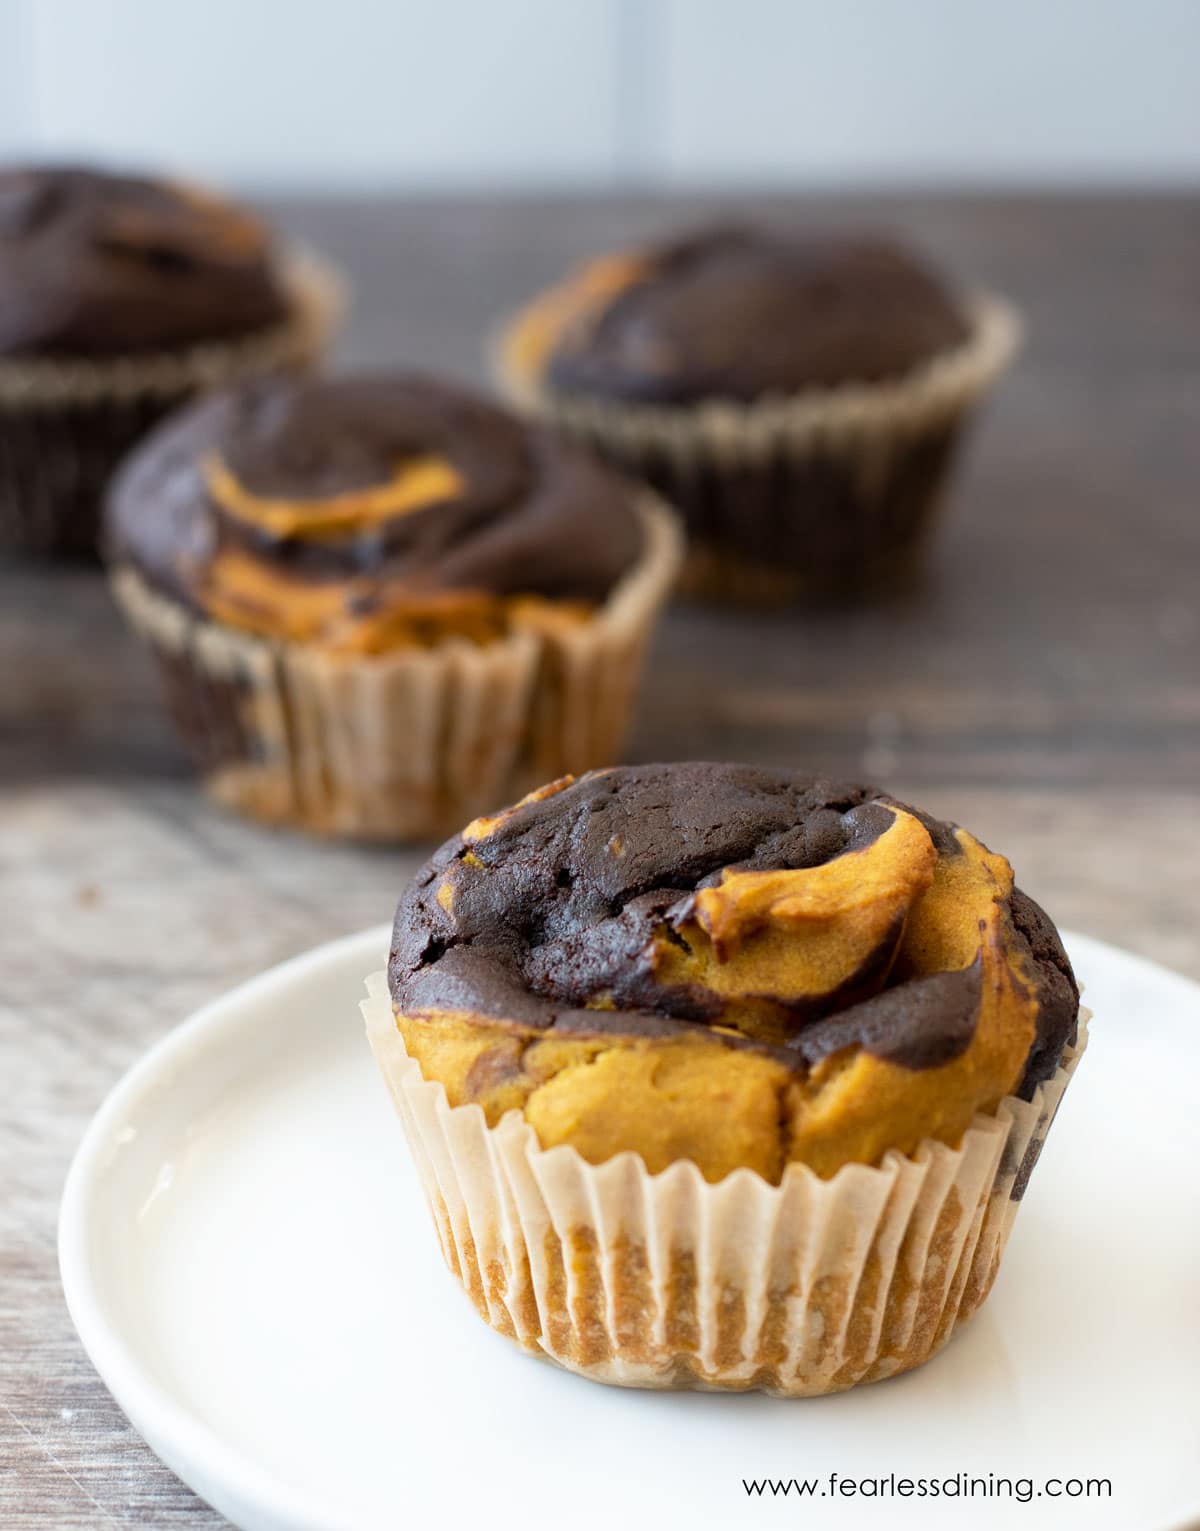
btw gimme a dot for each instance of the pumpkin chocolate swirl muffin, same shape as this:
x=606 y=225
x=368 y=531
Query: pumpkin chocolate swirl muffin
x=381 y=603
x=798 y=396
x=724 y=1076
x=121 y=296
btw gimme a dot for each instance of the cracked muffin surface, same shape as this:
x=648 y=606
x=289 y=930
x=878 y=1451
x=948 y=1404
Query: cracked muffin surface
x=370 y=513
x=738 y=313
x=739 y=966
x=98 y=265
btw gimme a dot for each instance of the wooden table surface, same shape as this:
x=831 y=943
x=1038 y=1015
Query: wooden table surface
x=1043 y=687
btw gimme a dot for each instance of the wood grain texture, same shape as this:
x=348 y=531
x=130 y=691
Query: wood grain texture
x=1043 y=687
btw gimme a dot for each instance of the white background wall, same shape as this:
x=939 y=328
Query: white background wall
x=431 y=93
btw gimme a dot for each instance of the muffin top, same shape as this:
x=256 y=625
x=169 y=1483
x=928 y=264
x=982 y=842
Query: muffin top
x=739 y=966
x=99 y=265
x=371 y=512
x=738 y=314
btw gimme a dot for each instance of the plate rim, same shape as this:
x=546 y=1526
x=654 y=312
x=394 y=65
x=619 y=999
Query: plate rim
x=188 y=1445
x=139 y=1395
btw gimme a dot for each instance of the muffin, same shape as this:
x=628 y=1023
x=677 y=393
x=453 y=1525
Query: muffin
x=798 y=397
x=119 y=297
x=381 y=604
x=723 y=1077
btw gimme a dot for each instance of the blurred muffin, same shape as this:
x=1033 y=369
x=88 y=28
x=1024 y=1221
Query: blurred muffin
x=381 y=604
x=121 y=296
x=724 y=1076
x=798 y=397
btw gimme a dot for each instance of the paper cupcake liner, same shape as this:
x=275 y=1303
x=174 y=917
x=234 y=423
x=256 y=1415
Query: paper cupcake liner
x=668 y=1281
x=65 y=425
x=829 y=492
x=408 y=745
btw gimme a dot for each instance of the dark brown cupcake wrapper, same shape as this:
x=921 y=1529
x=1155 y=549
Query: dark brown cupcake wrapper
x=409 y=745
x=829 y=492
x=65 y=426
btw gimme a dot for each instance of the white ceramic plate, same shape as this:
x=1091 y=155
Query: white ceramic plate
x=250 y=1265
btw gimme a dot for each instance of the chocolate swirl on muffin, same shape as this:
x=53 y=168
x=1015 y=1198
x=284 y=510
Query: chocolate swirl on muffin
x=741 y=314
x=99 y=265
x=369 y=513
x=733 y=965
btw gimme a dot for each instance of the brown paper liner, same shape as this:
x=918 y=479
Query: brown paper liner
x=828 y=493
x=412 y=744
x=668 y=1281
x=65 y=426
